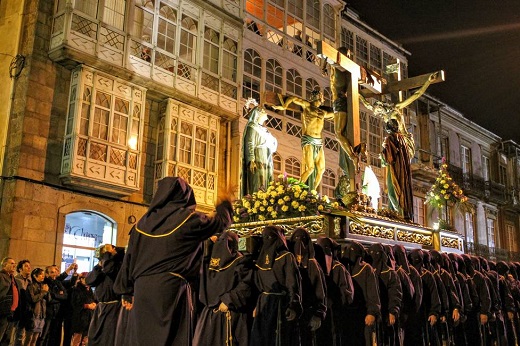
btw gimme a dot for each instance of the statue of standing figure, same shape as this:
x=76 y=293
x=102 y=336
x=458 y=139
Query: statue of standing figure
x=259 y=145
x=398 y=151
x=313 y=119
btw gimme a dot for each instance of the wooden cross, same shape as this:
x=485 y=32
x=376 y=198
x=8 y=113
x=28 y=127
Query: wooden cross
x=373 y=83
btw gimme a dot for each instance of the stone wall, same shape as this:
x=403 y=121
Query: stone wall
x=34 y=219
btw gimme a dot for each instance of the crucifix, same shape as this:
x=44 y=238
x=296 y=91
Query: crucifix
x=346 y=77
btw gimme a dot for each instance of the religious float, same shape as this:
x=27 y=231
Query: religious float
x=288 y=203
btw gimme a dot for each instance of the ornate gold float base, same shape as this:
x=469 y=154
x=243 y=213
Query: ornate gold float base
x=313 y=224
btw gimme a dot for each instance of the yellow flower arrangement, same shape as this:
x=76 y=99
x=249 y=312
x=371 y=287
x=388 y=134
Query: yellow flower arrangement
x=284 y=198
x=445 y=190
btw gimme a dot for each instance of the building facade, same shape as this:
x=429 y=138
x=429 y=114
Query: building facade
x=106 y=97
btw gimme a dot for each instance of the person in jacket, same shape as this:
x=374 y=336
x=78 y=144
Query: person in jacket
x=39 y=295
x=83 y=304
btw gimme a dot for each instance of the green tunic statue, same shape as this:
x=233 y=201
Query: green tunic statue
x=259 y=146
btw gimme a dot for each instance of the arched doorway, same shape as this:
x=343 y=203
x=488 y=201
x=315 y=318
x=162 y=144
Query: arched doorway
x=84 y=231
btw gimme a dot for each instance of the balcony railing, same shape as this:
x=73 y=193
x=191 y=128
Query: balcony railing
x=491 y=253
x=78 y=38
x=472 y=184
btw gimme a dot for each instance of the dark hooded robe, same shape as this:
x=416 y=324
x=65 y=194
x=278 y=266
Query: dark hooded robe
x=508 y=302
x=163 y=263
x=396 y=157
x=497 y=323
x=228 y=279
x=366 y=298
x=475 y=331
x=413 y=299
x=279 y=283
x=452 y=303
x=419 y=331
x=340 y=293
x=313 y=286
x=104 y=320
x=465 y=296
x=390 y=294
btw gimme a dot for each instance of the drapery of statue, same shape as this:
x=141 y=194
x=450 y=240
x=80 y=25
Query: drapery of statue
x=313 y=119
x=346 y=77
x=258 y=147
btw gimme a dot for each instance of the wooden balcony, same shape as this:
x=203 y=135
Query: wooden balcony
x=80 y=39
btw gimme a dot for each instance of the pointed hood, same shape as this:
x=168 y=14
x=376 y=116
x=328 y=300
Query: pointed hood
x=224 y=252
x=171 y=205
x=301 y=246
x=400 y=257
x=273 y=244
x=379 y=258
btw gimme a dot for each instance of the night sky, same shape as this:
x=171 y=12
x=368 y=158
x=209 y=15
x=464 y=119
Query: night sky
x=476 y=43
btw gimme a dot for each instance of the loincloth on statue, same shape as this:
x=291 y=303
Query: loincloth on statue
x=315 y=143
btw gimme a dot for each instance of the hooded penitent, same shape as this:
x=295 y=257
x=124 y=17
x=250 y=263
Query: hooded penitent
x=273 y=244
x=436 y=259
x=224 y=252
x=354 y=253
x=417 y=259
x=171 y=205
x=326 y=247
x=390 y=253
x=502 y=268
x=400 y=258
x=165 y=252
x=379 y=258
x=302 y=246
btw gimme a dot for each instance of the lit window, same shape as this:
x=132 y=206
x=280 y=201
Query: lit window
x=466 y=160
x=211 y=50
x=310 y=86
x=490 y=223
x=252 y=75
x=293 y=167
x=375 y=58
x=511 y=237
x=84 y=232
x=104 y=143
x=274 y=76
x=329 y=23
x=277 y=164
x=469 y=228
x=418 y=210
x=188 y=44
x=361 y=51
x=188 y=149
x=328 y=183
x=229 y=59
x=347 y=39
x=114 y=13
x=485 y=168
x=255 y=8
x=294 y=83
x=294 y=17
x=275 y=14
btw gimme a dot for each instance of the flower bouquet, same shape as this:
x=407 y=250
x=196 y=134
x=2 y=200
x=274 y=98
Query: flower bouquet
x=285 y=197
x=446 y=192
